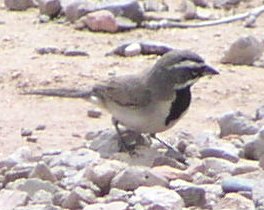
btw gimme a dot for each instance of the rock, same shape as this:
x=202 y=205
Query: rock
x=260 y=113
x=18 y=172
x=157 y=197
x=120 y=205
x=254 y=148
x=258 y=193
x=50 y=8
x=10 y=199
x=74 y=52
x=155 y=5
x=77 y=8
x=127 y=8
x=189 y=10
x=42 y=197
x=234 y=201
x=132 y=49
x=118 y=195
x=138 y=176
x=219 y=153
x=26 y=132
x=199 y=178
x=103 y=173
x=32 y=139
x=31 y=186
x=236 y=184
x=193 y=195
x=59 y=197
x=94 y=113
x=244 y=51
x=40 y=127
x=147 y=48
x=200 y=3
x=21 y=155
x=48 y=50
x=19 y=5
x=102 y=20
x=243 y=168
x=227 y=4
x=38 y=207
x=212 y=194
x=75 y=160
x=236 y=123
x=106 y=142
x=43 y=172
x=171 y=173
x=215 y=166
x=72 y=201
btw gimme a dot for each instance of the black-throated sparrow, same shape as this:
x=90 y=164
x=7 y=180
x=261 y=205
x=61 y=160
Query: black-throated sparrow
x=149 y=102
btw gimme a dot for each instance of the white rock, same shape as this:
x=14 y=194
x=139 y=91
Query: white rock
x=244 y=51
x=138 y=176
x=10 y=199
x=117 y=205
x=157 y=197
x=102 y=174
x=132 y=49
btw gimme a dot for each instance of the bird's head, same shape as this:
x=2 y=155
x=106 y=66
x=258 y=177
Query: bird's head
x=181 y=68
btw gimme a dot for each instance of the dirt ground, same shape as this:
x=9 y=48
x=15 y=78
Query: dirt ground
x=237 y=88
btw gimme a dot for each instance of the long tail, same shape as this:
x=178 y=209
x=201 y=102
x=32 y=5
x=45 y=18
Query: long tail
x=65 y=93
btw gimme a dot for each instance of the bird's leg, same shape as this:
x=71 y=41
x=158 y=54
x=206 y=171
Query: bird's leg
x=171 y=150
x=121 y=140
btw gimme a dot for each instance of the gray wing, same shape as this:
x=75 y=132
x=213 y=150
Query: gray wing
x=125 y=91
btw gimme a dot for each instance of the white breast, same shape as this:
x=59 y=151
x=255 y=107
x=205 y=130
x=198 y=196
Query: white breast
x=149 y=119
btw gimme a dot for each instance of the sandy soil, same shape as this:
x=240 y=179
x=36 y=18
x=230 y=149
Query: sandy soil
x=237 y=88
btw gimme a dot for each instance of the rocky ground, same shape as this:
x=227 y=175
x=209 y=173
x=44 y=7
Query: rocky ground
x=47 y=144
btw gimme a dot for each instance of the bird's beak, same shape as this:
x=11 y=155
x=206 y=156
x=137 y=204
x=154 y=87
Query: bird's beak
x=209 y=70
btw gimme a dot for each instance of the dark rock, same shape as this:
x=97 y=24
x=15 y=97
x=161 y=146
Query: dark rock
x=19 y=5
x=50 y=8
x=74 y=52
x=26 y=132
x=219 y=153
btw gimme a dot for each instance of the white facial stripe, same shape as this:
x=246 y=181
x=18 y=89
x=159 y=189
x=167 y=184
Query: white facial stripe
x=188 y=83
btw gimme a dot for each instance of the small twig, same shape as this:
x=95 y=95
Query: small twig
x=165 y=23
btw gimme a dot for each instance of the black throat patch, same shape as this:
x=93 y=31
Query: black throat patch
x=179 y=105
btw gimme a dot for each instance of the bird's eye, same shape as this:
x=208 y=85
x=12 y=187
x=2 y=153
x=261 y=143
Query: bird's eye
x=195 y=74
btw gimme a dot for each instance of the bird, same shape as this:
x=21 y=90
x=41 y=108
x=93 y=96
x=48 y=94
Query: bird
x=148 y=102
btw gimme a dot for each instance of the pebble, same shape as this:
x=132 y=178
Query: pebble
x=74 y=52
x=43 y=172
x=38 y=207
x=234 y=201
x=254 y=148
x=50 y=8
x=26 y=132
x=102 y=20
x=40 y=127
x=108 y=206
x=244 y=51
x=94 y=113
x=132 y=49
x=214 y=166
x=157 y=197
x=48 y=50
x=236 y=123
x=260 y=113
x=219 y=153
x=193 y=195
x=19 y=5
x=32 y=139
x=10 y=199
x=236 y=184
x=138 y=176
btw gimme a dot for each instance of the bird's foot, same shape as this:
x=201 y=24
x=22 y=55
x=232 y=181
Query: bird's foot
x=172 y=151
